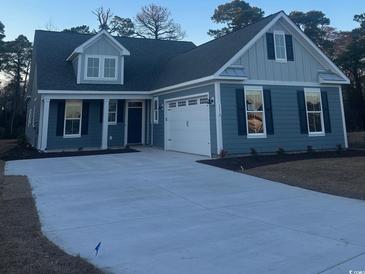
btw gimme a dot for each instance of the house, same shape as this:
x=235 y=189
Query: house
x=265 y=86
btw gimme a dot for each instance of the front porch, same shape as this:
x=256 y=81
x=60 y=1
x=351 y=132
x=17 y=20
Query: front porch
x=93 y=122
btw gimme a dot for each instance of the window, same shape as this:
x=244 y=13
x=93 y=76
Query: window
x=155 y=110
x=181 y=104
x=280 y=48
x=172 y=105
x=109 y=68
x=113 y=109
x=255 y=116
x=193 y=102
x=314 y=111
x=101 y=67
x=73 y=111
x=93 y=67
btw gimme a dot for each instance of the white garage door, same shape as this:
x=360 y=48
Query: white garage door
x=187 y=127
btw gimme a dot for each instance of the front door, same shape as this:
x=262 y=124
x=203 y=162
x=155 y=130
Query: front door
x=134 y=122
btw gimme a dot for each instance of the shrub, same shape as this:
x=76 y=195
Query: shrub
x=339 y=148
x=280 y=151
x=222 y=153
x=253 y=151
x=310 y=149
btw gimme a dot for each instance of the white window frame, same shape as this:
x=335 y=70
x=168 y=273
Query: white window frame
x=261 y=90
x=101 y=67
x=155 y=110
x=314 y=90
x=64 y=121
x=279 y=32
x=116 y=112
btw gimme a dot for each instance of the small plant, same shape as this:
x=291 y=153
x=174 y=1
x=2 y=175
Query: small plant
x=310 y=149
x=253 y=151
x=80 y=148
x=339 y=148
x=222 y=153
x=280 y=151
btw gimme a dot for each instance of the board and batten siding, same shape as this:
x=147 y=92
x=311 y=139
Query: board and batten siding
x=304 y=68
x=92 y=139
x=158 y=129
x=101 y=47
x=286 y=123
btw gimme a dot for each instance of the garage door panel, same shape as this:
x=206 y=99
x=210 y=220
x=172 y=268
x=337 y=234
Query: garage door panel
x=188 y=127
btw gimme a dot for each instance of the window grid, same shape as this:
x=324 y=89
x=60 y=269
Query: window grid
x=73 y=115
x=313 y=104
x=113 y=112
x=280 y=47
x=255 y=114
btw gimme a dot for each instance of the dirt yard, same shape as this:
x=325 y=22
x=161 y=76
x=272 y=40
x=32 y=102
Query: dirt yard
x=24 y=249
x=341 y=174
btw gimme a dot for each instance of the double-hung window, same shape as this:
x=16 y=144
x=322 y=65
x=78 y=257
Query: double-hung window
x=255 y=114
x=113 y=110
x=155 y=110
x=280 y=48
x=73 y=112
x=313 y=105
x=101 y=67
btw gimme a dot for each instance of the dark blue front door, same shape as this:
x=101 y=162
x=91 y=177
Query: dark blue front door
x=134 y=125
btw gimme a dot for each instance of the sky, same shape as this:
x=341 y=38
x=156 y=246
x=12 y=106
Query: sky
x=24 y=16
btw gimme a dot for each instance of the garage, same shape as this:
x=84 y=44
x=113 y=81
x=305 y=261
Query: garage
x=187 y=126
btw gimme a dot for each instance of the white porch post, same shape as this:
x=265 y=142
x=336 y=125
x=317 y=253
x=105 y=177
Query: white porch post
x=45 y=117
x=218 y=116
x=104 y=138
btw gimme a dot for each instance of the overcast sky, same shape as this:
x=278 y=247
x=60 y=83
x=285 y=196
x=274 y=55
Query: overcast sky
x=24 y=16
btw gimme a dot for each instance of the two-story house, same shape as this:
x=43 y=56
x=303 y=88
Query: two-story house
x=264 y=86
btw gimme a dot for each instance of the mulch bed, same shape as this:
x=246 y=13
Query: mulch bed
x=24 y=151
x=254 y=161
x=23 y=247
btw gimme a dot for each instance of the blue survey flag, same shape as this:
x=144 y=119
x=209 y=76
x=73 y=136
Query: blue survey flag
x=97 y=248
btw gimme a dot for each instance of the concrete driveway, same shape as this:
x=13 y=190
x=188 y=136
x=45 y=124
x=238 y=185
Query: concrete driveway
x=161 y=212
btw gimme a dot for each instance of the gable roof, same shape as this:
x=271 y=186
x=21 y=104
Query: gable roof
x=152 y=64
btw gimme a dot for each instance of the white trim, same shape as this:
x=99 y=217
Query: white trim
x=282 y=60
x=83 y=92
x=101 y=67
x=143 y=137
x=317 y=133
x=29 y=117
x=105 y=125
x=79 y=60
x=78 y=135
x=218 y=116
x=301 y=33
x=116 y=112
x=261 y=90
x=343 y=117
x=44 y=129
x=156 y=117
x=82 y=47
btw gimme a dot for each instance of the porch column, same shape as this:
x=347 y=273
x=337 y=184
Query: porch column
x=45 y=116
x=104 y=137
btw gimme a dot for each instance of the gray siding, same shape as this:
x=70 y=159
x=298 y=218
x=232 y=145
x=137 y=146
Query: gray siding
x=101 y=47
x=91 y=140
x=304 y=68
x=286 y=123
x=158 y=129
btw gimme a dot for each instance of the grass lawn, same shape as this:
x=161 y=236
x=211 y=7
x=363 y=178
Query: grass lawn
x=24 y=249
x=341 y=174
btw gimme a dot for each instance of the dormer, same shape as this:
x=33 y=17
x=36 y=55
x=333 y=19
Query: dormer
x=99 y=60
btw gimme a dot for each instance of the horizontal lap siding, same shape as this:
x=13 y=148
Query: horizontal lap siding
x=286 y=123
x=116 y=135
x=158 y=129
x=91 y=140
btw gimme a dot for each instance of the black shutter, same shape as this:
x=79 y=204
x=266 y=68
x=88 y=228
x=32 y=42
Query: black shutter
x=101 y=110
x=120 y=111
x=85 y=118
x=60 y=117
x=289 y=47
x=241 y=117
x=326 y=112
x=270 y=46
x=302 y=112
x=268 y=112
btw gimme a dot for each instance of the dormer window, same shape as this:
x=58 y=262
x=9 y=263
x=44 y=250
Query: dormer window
x=101 y=67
